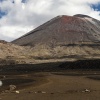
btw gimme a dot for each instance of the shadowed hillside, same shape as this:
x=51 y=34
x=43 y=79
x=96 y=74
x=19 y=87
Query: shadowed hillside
x=86 y=65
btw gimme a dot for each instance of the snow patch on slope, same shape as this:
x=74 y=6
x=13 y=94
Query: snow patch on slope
x=90 y=20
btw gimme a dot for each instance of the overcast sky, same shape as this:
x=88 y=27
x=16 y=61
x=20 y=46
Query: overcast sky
x=17 y=17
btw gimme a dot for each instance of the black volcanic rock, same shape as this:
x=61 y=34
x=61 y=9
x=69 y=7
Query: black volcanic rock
x=63 y=30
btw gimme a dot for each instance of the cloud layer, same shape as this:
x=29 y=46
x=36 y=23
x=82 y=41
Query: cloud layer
x=22 y=16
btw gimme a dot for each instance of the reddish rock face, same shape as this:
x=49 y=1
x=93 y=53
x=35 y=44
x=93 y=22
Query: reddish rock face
x=63 y=30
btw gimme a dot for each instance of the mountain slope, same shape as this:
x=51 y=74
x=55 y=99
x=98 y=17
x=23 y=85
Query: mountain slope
x=63 y=30
x=63 y=38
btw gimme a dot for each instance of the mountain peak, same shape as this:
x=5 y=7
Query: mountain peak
x=82 y=16
x=63 y=29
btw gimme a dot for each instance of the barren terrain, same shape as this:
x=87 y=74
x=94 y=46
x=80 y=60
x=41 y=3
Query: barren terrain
x=58 y=86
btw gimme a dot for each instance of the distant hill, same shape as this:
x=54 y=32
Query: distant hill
x=8 y=49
